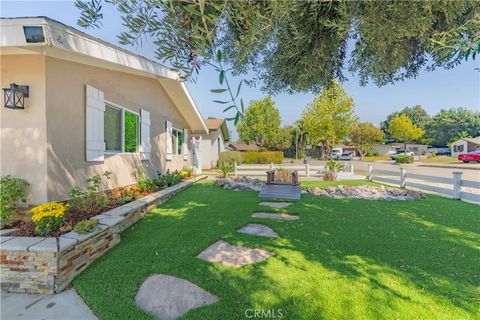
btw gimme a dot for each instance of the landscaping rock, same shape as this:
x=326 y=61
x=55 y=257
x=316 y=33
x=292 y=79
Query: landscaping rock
x=225 y=253
x=276 y=216
x=167 y=297
x=241 y=183
x=258 y=230
x=366 y=192
x=276 y=205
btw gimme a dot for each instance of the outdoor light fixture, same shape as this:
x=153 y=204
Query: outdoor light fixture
x=14 y=96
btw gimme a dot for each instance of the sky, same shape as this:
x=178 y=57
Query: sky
x=440 y=89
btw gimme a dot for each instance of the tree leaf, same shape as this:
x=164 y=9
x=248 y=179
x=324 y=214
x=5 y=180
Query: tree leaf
x=243 y=107
x=238 y=89
x=237 y=117
x=218 y=90
x=221 y=77
x=219 y=55
x=192 y=10
x=228 y=108
x=222 y=102
x=229 y=119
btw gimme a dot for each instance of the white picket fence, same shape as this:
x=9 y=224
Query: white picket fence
x=451 y=187
x=304 y=170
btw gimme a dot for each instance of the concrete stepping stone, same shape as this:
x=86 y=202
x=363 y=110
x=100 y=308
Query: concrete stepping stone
x=276 y=205
x=258 y=230
x=225 y=253
x=277 y=216
x=168 y=297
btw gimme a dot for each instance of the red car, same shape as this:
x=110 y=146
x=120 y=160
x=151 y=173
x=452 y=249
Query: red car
x=471 y=156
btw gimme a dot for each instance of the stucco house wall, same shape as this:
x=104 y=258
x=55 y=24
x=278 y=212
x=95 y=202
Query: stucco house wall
x=463 y=146
x=209 y=148
x=67 y=165
x=23 y=148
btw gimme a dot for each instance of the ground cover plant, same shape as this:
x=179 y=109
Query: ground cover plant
x=343 y=259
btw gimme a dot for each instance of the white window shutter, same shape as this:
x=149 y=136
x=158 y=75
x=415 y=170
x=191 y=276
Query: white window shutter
x=145 y=145
x=185 y=144
x=168 y=129
x=95 y=109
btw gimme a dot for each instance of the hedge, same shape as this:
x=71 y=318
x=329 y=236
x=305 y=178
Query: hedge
x=403 y=158
x=262 y=157
x=230 y=157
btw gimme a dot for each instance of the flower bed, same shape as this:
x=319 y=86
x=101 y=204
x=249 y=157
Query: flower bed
x=49 y=264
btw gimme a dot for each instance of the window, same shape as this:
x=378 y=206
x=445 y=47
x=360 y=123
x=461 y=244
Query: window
x=460 y=148
x=121 y=129
x=177 y=141
x=34 y=34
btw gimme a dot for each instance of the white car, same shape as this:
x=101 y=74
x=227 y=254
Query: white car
x=346 y=156
x=336 y=154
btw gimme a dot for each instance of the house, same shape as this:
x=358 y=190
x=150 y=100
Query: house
x=90 y=107
x=212 y=143
x=391 y=148
x=242 y=147
x=464 y=145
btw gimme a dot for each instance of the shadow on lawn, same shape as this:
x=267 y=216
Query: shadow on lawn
x=410 y=251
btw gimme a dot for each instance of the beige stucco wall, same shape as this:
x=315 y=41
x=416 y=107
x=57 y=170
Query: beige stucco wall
x=209 y=148
x=23 y=132
x=65 y=87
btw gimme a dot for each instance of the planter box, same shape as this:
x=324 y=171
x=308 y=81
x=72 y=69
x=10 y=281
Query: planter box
x=48 y=265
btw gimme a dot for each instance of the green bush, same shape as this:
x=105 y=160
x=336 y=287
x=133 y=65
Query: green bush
x=262 y=157
x=403 y=158
x=85 y=226
x=376 y=154
x=90 y=199
x=145 y=184
x=230 y=157
x=12 y=190
x=226 y=168
x=168 y=178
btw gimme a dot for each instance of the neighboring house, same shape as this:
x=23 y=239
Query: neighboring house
x=464 y=145
x=391 y=148
x=242 y=147
x=213 y=143
x=348 y=149
x=91 y=107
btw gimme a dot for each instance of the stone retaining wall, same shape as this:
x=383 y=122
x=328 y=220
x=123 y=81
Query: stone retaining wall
x=48 y=265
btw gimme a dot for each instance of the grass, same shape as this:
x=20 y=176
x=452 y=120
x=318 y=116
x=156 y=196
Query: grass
x=376 y=158
x=344 y=259
x=440 y=159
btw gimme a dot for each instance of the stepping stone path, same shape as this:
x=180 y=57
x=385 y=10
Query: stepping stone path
x=167 y=297
x=277 y=216
x=258 y=230
x=276 y=205
x=225 y=253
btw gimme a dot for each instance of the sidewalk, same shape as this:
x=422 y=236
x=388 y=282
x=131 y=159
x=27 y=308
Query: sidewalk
x=462 y=166
x=65 y=305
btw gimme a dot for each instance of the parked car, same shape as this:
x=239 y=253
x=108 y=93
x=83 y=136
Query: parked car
x=346 y=156
x=399 y=152
x=471 y=156
x=336 y=153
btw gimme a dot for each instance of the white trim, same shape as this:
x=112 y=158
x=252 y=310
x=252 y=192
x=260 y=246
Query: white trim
x=122 y=129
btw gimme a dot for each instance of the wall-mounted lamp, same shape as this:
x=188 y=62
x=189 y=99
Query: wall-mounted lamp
x=14 y=96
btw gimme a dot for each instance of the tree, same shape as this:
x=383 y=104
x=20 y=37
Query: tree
x=283 y=140
x=416 y=114
x=450 y=125
x=328 y=119
x=403 y=129
x=301 y=45
x=364 y=135
x=261 y=123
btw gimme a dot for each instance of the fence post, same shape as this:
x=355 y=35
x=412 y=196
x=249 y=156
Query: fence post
x=351 y=168
x=403 y=178
x=307 y=169
x=457 y=185
x=370 y=173
x=235 y=169
x=271 y=166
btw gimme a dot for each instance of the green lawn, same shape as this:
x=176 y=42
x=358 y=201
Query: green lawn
x=344 y=259
x=440 y=159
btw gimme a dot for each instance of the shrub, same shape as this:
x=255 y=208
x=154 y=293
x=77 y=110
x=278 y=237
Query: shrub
x=376 y=154
x=48 y=217
x=262 y=157
x=404 y=158
x=434 y=154
x=186 y=172
x=332 y=167
x=230 y=157
x=168 y=179
x=145 y=184
x=282 y=174
x=12 y=190
x=89 y=199
x=226 y=168
x=85 y=226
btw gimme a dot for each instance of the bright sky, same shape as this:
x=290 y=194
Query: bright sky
x=459 y=87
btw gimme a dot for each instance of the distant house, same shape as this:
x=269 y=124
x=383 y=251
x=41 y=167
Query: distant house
x=213 y=143
x=391 y=148
x=242 y=147
x=464 y=145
